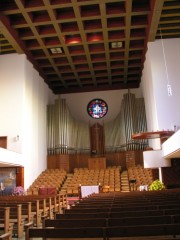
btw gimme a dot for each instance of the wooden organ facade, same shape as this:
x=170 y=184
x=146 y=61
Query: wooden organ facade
x=97 y=142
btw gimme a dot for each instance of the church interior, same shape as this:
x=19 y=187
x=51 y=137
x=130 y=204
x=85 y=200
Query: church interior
x=90 y=123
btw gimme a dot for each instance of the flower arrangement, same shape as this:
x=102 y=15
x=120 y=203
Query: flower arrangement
x=156 y=185
x=18 y=191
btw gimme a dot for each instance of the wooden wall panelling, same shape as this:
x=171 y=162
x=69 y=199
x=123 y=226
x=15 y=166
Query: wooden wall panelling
x=78 y=161
x=134 y=158
x=51 y=161
x=130 y=159
x=96 y=163
x=20 y=176
x=62 y=161
x=116 y=159
x=58 y=161
x=171 y=176
x=139 y=157
x=97 y=140
x=71 y=161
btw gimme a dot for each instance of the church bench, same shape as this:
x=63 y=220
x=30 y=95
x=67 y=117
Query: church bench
x=35 y=210
x=69 y=215
x=30 y=210
x=57 y=203
x=143 y=230
x=79 y=206
x=5 y=236
x=107 y=222
x=110 y=209
x=88 y=232
x=134 y=208
x=143 y=220
x=25 y=209
x=140 y=213
x=171 y=211
x=116 y=205
x=111 y=222
x=48 y=204
x=41 y=206
x=81 y=215
x=106 y=232
x=151 y=209
x=122 y=214
x=169 y=206
x=87 y=210
x=5 y=226
x=15 y=218
x=75 y=223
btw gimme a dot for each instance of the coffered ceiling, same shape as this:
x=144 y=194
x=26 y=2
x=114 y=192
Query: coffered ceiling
x=86 y=45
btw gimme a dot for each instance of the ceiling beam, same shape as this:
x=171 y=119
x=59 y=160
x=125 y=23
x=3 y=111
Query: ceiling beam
x=156 y=14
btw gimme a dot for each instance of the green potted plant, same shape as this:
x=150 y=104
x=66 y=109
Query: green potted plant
x=156 y=185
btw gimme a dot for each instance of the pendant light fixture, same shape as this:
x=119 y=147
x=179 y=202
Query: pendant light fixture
x=166 y=69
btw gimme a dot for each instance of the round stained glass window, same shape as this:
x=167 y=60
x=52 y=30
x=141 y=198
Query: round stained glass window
x=97 y=108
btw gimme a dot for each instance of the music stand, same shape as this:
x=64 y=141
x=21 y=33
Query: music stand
x=132 y=183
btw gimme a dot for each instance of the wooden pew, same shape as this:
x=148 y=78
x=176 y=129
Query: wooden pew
x=41 y=206
x=88 y=232
x=122 y=214
x=169 y=206
x=48 y=204
x=75 y=223
x=110 y=209
x=30 y=209
x=111 y=222
x=15 y=219
x=38 y=206
x=5 y=226
x=143 y=230
x=25 y=209
x=144 y=220
x=107 y=232
x=150 y=219
x=86 y=210
x=82 y=215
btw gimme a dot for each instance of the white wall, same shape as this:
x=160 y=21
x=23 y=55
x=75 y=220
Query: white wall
x=11 y=98
x=162 y=110
x=154 y=159
x=23 y=101
x=77 y=103
x=171 y=147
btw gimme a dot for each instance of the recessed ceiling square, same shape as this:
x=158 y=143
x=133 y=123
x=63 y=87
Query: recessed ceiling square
x=116 y=45
x=56 y=50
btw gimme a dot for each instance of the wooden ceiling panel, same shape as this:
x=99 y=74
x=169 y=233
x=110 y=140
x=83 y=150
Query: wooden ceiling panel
x=86 y=45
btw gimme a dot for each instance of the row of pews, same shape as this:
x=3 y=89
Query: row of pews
x=116 y=215
x=18 y=213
